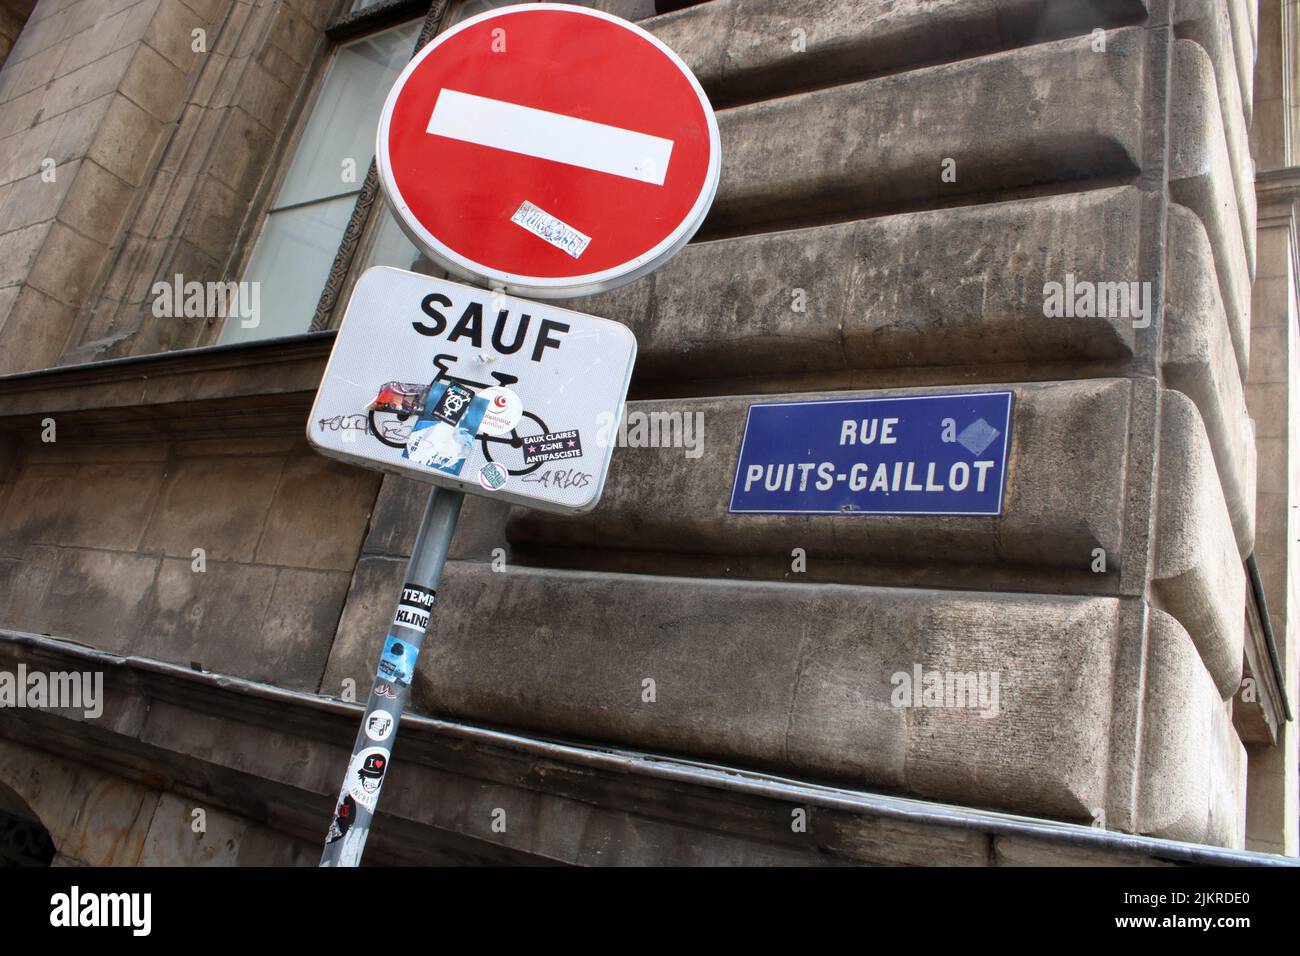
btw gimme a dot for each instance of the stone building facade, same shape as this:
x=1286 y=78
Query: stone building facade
x=905 y=183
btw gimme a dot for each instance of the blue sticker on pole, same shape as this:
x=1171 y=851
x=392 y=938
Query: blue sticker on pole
x=919 y=455
x=397 y=663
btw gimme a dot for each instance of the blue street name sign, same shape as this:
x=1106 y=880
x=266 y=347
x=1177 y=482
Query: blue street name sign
x=919 y=455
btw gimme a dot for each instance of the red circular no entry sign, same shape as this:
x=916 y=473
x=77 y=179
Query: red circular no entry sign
x=552 y=150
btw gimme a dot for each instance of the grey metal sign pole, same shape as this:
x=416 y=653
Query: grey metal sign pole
x=372 y=751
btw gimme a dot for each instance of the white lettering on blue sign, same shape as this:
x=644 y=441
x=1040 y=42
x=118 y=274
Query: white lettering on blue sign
x=919 y=454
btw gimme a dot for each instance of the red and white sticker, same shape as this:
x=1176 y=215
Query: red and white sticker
x=504 y=410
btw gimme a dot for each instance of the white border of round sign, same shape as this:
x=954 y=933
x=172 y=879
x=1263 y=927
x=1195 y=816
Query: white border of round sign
x=543 y=287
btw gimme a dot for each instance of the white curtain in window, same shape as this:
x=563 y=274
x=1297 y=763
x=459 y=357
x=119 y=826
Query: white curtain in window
x=314 y=201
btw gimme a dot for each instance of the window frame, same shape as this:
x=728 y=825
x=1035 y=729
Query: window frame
x=358 y=234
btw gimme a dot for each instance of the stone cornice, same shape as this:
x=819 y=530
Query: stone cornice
x=1277 y=188
x=159 y=726
x=277 y=373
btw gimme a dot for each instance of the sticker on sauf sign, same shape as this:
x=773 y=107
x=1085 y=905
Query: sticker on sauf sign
x=920 y=454
x=555 y=446
x=444 y=435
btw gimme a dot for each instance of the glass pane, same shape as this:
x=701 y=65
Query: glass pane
x=290 y=263
x=359 y=5
x=391 y=247
x=474 y=7
x=339 y=138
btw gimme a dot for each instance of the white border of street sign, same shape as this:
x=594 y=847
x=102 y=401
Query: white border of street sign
x=539 y=286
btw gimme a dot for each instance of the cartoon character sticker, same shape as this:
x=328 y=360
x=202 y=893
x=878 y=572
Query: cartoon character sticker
x=366 y=776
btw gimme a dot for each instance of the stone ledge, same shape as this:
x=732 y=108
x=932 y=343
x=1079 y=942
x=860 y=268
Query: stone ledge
x=1042 y=116
x=1200 y=178
x=1198 y=359
x=1208 y=23
x=745 y=50
x=116 y=389
x=654 y=806
x=1063 y=498
x=950 y=287
x=1197 y=574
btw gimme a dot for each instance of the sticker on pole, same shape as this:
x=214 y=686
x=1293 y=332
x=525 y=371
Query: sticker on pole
x=920 y=454
x=548 y=149
x=473 y=390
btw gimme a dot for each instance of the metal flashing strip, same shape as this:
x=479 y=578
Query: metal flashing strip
x=682 y=770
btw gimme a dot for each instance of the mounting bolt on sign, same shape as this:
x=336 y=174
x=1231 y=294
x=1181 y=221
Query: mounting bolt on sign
x=539 y=150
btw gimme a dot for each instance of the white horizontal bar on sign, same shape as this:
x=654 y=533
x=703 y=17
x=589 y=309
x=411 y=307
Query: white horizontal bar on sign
x=553 y=136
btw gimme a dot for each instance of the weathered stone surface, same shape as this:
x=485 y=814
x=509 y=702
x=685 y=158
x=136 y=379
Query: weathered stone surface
x=27 y=581
x=126 y=139
x=41 y=323
x=98 y=597
x=1245 y=26
x=172 y=841
x=113 y=822
x=742 y=49
x=396 y=516
x=102 y=819
x=1018 y=851
x=217 y=504
x=264 y=846
x=960 y=286
x=279 y=757
x=794 y=677
x=1207 y=22
x=318 y=516
x=1199 y=361
x=54 y=789
x=1193 y=781
x=1197 y=576
x=1041 y=115
x=92 y=505
x=294 y=640
x=97 y=203
x=1200 y=177
x=1063 y=494
x=274 y=758
x=213 y=616
x=367 y=612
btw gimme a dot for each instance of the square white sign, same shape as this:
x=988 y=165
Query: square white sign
x=474 y=390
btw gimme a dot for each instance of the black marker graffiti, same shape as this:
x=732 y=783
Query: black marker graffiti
x=561 y=478
x=340 y=423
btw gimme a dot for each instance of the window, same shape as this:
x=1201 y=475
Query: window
x=314 y=201
x=390 y=246
x=317 y=195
